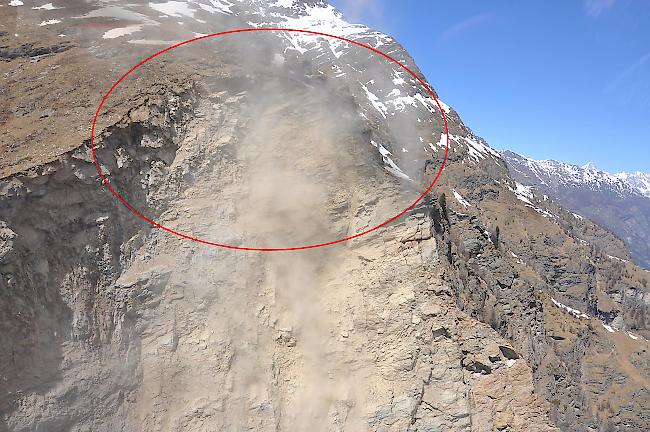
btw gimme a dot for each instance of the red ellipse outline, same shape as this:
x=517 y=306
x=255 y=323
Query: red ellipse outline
x=244 y=248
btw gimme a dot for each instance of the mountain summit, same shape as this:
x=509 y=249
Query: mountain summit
x=590 y=166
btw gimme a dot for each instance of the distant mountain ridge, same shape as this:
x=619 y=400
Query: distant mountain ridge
x=638 y=180
x=620 y=202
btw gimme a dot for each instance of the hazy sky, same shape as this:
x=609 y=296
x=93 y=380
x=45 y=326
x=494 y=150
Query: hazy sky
x=552 y=79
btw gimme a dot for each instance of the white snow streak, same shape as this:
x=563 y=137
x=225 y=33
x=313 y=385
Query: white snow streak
x=390 y=165
x=49 y=22
x=48 y=6
x=374 y=100
x=575 y=312
x=616 y=258
x=523 y=193
x=460 y=199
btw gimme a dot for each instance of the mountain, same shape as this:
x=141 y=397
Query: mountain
x=485 y=306
x=638 y=180
x=619 y=202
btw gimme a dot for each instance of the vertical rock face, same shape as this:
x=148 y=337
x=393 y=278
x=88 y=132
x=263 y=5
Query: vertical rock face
x=162 y=335
x=479 y=309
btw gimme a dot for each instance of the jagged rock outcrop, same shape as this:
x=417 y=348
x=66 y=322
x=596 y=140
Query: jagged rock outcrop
x=561 y=300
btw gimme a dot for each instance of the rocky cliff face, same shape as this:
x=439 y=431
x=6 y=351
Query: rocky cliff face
x=619 y=202
x=437 y=321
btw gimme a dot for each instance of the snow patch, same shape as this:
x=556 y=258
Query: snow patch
x=48 y=6
x=173 y=8
x=446 y=108
x=122 y=31
x=49 y=22
x=515 y=256
x=575 y=312
x=400 y=103
x=478 y=150
x=616 y=258
x=460 y=199
x=397 y=78
x=394 y=92
x=390 y=165
x=374 y=100
x=523 y=193
x=542 y=212
x=441 y=143
x=324 y=19
x=218 y=6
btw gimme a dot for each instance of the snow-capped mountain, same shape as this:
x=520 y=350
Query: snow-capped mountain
x=639 y=180
x=554 y=174
x=620 y=202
